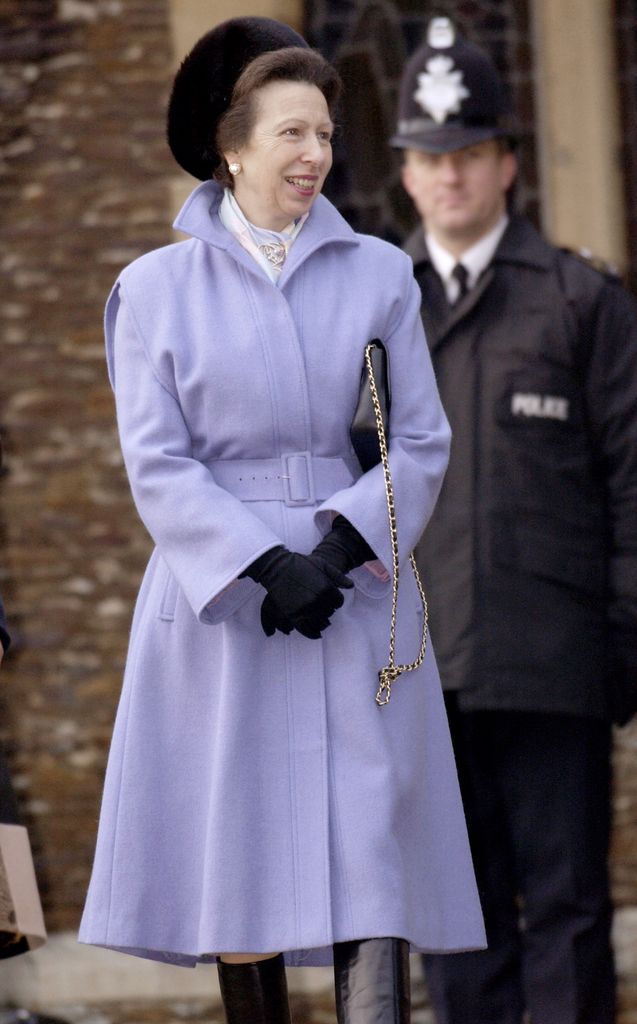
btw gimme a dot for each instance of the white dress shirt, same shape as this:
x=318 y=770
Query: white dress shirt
x=476 y=259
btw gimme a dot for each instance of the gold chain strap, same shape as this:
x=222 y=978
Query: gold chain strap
x=391 y=672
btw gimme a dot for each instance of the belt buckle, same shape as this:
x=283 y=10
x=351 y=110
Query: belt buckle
x=298 y=479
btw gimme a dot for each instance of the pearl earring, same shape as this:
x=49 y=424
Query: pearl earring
x=234 y=167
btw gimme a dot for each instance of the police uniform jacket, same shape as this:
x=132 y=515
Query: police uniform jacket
x=530 y=558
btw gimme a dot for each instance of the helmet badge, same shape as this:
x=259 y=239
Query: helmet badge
x=441 y=34
x=440 y=90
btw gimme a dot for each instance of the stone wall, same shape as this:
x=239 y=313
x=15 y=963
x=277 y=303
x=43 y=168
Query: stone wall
x=82 y=189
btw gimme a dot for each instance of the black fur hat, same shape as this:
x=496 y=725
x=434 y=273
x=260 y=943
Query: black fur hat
x=203 y=85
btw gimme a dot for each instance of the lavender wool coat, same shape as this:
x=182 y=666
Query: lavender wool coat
x=256 y=797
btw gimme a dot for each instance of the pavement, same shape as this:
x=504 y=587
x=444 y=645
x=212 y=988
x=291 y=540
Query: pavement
x=305 y=1010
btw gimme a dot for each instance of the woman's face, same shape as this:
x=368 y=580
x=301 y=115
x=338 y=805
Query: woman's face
x=286 y=159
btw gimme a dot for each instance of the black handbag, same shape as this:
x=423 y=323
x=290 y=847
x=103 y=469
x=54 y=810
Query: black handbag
x=364 y=428
x=369 y=435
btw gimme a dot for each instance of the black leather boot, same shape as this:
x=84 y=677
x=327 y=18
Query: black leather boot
x=372 y=981
x=255 y=993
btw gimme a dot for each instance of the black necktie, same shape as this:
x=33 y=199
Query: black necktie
x=461 y=275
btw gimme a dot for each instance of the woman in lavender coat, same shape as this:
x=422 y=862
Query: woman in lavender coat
x=260 y=808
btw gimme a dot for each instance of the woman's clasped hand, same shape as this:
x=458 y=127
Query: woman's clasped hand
x=303 y=591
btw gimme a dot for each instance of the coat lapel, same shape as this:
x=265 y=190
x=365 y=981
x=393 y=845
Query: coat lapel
x=520 y=244
x=468 y=303
x=324 y=226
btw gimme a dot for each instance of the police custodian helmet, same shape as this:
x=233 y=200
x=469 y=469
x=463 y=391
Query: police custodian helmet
x=451 y=95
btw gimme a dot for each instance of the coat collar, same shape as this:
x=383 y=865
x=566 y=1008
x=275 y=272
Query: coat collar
x=521 y=245
x=325 y=226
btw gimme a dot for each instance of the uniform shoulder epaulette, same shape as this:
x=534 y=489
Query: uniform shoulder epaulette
x=605 y=267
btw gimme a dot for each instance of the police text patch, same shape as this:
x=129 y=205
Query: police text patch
x=546 y=407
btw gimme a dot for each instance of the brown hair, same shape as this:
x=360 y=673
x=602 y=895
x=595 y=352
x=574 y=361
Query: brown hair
x=292 y=64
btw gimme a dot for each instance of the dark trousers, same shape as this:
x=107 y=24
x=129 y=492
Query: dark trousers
x=536 y=791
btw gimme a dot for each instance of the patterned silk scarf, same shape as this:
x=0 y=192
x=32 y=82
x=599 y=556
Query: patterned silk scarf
x=269 y=248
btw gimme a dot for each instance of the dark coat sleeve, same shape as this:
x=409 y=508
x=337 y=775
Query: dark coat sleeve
x=611 y=392
x=5 y=639
x=8 y=803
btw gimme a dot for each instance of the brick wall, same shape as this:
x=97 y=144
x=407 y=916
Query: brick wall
x=82 y=190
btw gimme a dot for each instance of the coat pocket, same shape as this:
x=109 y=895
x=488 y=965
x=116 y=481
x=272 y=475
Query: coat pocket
x=169 y=592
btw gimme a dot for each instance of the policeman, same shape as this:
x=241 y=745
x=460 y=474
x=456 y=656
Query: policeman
x=530 y=559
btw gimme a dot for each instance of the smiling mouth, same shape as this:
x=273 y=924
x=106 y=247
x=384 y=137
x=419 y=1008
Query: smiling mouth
x=304 y=184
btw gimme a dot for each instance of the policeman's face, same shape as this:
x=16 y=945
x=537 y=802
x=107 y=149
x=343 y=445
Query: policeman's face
x=460 y=195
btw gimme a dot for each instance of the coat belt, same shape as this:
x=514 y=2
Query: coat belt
x=296 y=478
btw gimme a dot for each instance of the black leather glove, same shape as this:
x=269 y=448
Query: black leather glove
x=343 y=547
x=302 y=592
